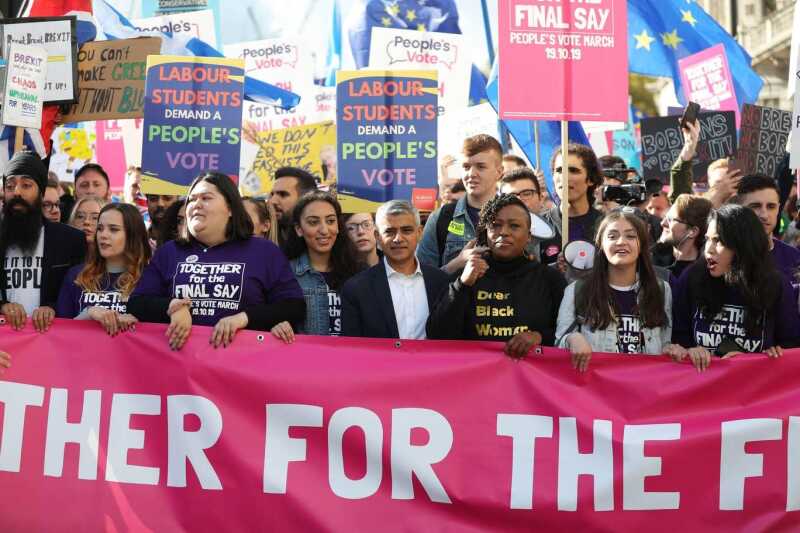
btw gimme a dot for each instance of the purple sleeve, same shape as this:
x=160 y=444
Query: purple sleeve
x=682 y=312
x=156 y=278
x=67 y=305
x=283 y=284
x=787 y=321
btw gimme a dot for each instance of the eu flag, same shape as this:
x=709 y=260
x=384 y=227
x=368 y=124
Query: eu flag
x=423 y=15
x=662 y=31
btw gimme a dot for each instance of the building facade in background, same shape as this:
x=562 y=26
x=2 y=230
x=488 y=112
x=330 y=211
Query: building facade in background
x=764 y=28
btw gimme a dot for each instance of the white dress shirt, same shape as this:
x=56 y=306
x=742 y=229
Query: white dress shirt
x=410 y=301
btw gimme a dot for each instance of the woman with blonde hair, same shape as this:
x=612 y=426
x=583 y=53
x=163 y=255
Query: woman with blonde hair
x=85 y=214
x=99 y=289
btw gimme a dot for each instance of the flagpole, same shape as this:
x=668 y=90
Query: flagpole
x=564 y=184
x=487 y=28
x=536 y=144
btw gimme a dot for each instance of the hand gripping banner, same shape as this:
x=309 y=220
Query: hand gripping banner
x=122 y=434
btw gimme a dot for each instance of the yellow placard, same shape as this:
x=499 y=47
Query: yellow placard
x=305 y=147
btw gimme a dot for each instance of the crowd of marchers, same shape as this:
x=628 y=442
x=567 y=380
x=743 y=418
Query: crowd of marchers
x=659 y=269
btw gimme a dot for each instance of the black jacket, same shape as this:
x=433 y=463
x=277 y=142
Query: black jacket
x=367 y=309
x=510 y=298
x=64 y=247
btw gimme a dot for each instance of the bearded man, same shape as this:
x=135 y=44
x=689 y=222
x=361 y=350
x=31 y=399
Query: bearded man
x=35 y=252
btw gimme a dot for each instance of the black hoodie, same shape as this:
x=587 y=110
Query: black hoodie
x=512 y=297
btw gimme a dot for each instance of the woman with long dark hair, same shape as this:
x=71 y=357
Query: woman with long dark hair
x=99 y=289
x=322 y=258
x=735 y=300
x=501 y=295
x=622 y=306
x=216 y=273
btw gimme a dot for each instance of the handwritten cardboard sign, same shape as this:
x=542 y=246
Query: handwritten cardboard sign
x=762 y=139
x=57 y=36
x=24 y=89
x=111 y=78
x=300 y=146
x=662 y=140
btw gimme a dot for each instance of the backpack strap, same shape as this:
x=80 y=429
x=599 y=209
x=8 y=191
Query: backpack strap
x=442 y=223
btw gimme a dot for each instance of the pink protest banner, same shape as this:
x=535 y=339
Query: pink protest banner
x=122 y=434
x=563 y=60
x=110 y=151
x=706 y=79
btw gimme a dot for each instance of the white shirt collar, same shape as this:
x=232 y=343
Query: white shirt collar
x=390 y=271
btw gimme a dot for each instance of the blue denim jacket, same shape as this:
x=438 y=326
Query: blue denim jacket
x=460 y=232
x=315 y=293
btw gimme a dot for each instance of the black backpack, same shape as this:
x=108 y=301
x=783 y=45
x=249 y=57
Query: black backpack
x=442 y=225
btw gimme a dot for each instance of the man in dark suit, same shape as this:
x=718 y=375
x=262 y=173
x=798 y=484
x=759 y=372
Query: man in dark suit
x=35 y=252
x=393 y=299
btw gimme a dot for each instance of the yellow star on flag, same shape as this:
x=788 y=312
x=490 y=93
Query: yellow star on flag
x=688 y=17
x=671 y=39
x=393 y=10
x=386 y=21
x=410 y=15
x=421 y=27
x=643 y=40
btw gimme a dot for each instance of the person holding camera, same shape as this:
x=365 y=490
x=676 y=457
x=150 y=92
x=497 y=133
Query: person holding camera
x=735 y=300
x=623 y=186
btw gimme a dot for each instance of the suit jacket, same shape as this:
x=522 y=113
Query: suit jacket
x=367 y=309
x=64 y=247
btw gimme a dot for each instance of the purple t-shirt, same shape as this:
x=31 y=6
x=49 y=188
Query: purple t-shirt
x=691 y=328
x=629 y=327
x=222 y=280
x=787 y=261
x=72 y=299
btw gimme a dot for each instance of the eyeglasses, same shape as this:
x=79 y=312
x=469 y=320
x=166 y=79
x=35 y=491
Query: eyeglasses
x=82 y=217
x=365 y=225
x=51 y=206
x=526 y=194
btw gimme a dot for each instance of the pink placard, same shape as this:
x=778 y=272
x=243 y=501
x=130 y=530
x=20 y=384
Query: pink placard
x=706 y=79
x=563 y=60
x=110 y=152
x=121 y=433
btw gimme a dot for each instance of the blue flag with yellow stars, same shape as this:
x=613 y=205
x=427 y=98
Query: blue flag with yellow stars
x=662 y=31
x=422 y=15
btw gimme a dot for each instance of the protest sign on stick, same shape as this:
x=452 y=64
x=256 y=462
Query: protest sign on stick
x=303 y=147
x=762 y=139
x=192 y=120
x=111 y=79
x=57 y=36
x=386 y=137
x=199 y=24
x=706 y=79
x=26 y=75
x=286 y=63
x=575 y=54
x=662 y=140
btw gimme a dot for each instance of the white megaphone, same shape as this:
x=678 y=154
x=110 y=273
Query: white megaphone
x=579 y=256
x=540 y=229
